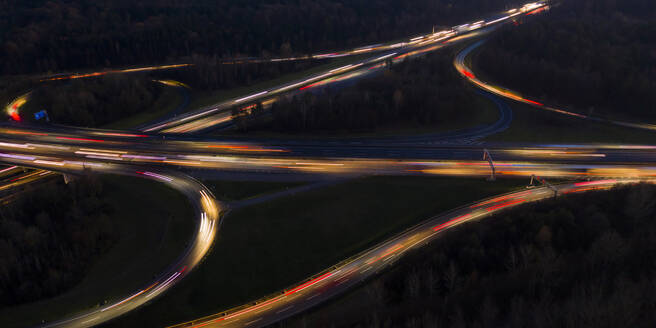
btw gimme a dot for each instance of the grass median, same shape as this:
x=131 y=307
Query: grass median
x=233 y=190
x=145 y=230
x=484 y=114
x=267 y=247
x=532 y=125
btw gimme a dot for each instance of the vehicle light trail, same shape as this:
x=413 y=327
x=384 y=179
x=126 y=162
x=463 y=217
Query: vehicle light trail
x=121 y=71
x=206 y=118
x=506 y=204
x=80 y=139
x=466 y=72
x=8 y=169
x=452 y=222
x=320 y=288
x=13 y=107
x=594 y=183
x=206 y=207
x=251 y=97
x=345 y=275
x=309 y=283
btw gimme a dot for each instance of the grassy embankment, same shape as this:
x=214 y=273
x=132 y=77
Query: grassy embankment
x=267 y=247
x=227 y=190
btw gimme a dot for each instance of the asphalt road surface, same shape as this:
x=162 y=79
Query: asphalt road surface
x=142 y=154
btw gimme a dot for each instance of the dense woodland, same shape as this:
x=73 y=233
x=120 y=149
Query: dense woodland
x=93 y=102
x=53 y=36
x=585 y=260
x=424 y=91
x=595 y=56
x=38 y=36
x=97 y=101
x=49 y=236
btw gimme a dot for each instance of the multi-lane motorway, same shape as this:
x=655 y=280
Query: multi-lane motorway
x=221 y=113
x=152 y=156
x=57 y=149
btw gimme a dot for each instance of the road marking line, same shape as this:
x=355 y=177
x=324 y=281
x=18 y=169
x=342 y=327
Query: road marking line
x=313 y=296
x=365 y=270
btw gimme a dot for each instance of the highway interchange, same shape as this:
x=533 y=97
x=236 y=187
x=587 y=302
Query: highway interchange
x=147 y=154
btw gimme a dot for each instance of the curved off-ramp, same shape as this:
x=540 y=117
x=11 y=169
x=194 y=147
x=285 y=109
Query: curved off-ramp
x=206 y=211
x=467 y=73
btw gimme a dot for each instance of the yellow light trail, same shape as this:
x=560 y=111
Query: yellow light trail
x=121 y=71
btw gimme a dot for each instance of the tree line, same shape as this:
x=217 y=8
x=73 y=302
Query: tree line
x=582 y=261
x=424 y=91
x=49 y=237
x=596 y=56
x=61 y=35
